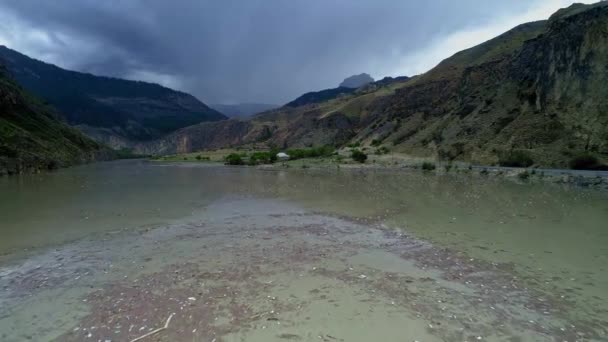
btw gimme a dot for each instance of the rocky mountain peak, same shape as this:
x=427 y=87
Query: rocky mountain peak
x=357 y=81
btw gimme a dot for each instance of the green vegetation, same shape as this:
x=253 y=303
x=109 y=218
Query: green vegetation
x=428 y=166
x=257 y=158
x=587 y=162
x=313 y=152
x=234 y=159
x=358 y=156
x=524 y=175
x=516 y=159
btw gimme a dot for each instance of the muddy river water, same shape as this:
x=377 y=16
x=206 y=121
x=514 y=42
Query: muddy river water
x=111 y=251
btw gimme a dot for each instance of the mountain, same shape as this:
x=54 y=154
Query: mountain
x=242 y=110
x=333 y=93
x=33 y=138
x=356 y=81
x=537 y=90
x=111 y=110
x=331 y=121
x=320 y=96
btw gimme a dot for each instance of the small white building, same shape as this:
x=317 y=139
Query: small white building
x=282 y=156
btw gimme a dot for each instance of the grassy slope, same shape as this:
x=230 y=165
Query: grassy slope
x=32 y=138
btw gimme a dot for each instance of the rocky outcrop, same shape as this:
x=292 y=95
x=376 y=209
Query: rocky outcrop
x=356 y=81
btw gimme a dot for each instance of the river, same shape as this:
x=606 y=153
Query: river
x=110 y=251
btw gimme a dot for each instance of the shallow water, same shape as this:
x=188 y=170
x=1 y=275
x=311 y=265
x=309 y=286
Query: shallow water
x=298 y=255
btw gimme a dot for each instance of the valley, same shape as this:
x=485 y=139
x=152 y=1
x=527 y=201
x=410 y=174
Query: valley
x=465 y=202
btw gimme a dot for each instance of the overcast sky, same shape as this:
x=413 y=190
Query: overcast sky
x=269 y=51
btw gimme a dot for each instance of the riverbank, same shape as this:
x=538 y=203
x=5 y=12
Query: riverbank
x=401 y=162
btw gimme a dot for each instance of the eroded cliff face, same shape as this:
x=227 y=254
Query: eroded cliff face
x=564 y=73
x=536 y=88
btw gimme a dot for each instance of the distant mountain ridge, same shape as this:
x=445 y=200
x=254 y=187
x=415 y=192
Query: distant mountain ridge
x=333 y=93
x=320 y=96
x=111 y=110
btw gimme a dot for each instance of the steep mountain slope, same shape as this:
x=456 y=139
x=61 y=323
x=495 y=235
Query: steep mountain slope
x=32 y=138
x=109 y=109
x=242 y=110
x=538 y=89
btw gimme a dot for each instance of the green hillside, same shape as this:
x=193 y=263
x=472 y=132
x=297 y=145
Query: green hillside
x=32 y=138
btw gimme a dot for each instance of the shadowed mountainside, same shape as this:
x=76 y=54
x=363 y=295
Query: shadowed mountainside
x=33 y=138
x=110 y=110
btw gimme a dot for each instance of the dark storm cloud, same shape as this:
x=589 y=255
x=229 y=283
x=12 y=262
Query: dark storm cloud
x=246 y=50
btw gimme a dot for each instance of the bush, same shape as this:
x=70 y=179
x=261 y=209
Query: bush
x=376 y=142
x=263 y=158
x=199 y=157
x=358 y=156
x=516 y=159
x=427 y=166
x=234 y=159
x=587 y=162
x=313 y=152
